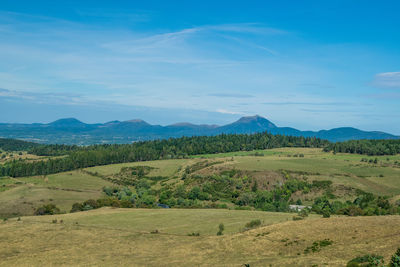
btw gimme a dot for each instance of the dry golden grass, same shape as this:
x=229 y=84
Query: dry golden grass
x=36 y=243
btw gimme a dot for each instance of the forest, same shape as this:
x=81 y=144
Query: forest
x=366 y=147
x=16 y=145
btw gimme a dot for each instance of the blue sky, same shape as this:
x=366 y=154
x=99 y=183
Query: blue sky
x=306 y=64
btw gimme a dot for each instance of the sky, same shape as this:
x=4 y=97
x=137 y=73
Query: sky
x=306 y=64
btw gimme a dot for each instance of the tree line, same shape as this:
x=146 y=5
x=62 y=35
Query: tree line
x=81 y=157
x=366 y=147
x=7 y=144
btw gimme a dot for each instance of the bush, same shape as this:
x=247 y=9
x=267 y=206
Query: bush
x=353 y=211
x=303 y=213
x=395 y=260
x=48 y=209
x=108 y=190
x=221 y=228
x=368 y=260
x=90 y=204
x=194 y=234
x=317 y=245
x=253 y=224
x=326 y=213
x=76 y=207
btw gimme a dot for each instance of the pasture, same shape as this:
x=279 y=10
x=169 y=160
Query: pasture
x=110 y=237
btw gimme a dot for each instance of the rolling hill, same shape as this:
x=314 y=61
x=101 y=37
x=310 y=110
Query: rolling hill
x=73 y=131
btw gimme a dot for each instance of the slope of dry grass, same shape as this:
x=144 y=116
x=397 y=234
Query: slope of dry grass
x=38 y=242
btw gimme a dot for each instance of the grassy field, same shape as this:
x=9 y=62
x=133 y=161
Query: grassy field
x=9 y=156
x=161 y=167
x=168 y=221
x=110 y=237
x=377 y=179
x=20 y=196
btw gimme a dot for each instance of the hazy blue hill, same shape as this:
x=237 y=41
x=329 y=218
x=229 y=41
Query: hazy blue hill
x=252 y=124
x=349 y=133
x=68 y=122
x=73 y=131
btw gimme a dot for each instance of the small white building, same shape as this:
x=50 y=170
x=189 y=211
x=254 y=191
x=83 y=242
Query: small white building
x=298 y=207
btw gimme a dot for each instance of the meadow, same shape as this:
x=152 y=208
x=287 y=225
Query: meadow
x=110 y=237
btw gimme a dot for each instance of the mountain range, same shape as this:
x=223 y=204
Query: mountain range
x=73 y=131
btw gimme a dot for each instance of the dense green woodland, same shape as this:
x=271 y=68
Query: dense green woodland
x=366 y=147
x=82 y=157
x=16 y=145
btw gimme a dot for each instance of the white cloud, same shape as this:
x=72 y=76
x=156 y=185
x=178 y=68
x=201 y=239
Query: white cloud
x=224 y=111
x=387 y=80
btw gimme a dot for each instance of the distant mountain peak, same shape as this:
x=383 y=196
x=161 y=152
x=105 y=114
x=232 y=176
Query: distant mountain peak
x=137 y=121
x=112 y=122
x=66 y=122
x=256 y=119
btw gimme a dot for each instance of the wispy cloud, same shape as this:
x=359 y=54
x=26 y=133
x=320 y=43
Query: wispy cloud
x=116 y=14
x=231 y=95
x=323 y=110
x=384 y=96
x=317 y=85
x=389 y=80
x=178 y=46
x=45 y=98
x=308 y=103
x=224 y=111
x=253 y=28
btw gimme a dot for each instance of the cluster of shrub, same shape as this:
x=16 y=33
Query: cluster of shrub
x=49 y=209
x=215 y=191
x=375 y=161
x=119 y=198
x=242 y=191
x=372 y=260
x=366 y=204
x=299 y=155
x=231 y=189
x=317 y=245
x=252 y=224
